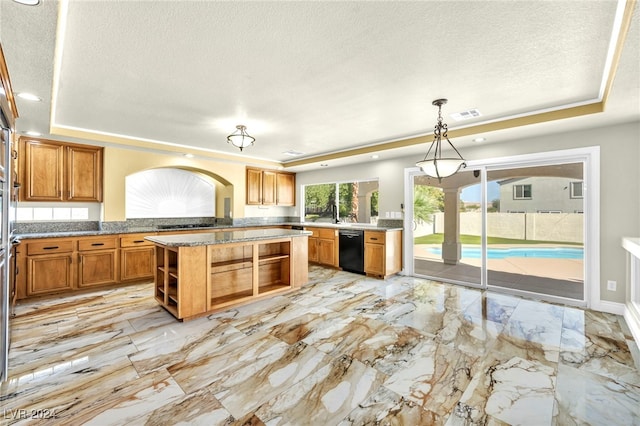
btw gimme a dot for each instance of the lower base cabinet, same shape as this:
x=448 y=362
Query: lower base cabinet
x=59 y=265
x=137 y=258
x=193 y=281
x=49 y=273
x=136 y=263
x=323 y=246
x=97 y=261
x=382 y=253
x=97 y=268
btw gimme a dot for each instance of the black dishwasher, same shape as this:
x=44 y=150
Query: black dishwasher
x=351 y=250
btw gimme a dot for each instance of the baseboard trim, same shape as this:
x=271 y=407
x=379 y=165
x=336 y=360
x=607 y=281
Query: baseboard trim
x=609 y=307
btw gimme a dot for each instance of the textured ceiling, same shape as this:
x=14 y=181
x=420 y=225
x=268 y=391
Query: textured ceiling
x=314 y=77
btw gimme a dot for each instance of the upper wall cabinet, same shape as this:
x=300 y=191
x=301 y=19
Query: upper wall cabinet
x=58 y=171
x=270 y=188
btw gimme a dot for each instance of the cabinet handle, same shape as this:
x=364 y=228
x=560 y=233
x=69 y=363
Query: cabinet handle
x=373 y=239
x=14 y=154
x=138 y=241
x=50 y=248
x=97 y=244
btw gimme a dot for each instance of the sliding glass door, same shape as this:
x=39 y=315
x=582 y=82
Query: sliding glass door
x=535 y=229
x=519 y=226
x=448 y=227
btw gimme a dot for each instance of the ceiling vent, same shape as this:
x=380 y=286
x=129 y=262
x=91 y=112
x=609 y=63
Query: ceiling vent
x=466 y=115
x=293 y=153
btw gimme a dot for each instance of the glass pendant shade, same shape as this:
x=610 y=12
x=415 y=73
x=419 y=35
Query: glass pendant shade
x=435 y=165
x=240 y=138
x=441 y=167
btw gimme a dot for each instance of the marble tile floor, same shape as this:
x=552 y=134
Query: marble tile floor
x=343 y=350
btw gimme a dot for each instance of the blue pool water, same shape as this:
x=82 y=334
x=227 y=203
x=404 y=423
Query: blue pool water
x=502 y=253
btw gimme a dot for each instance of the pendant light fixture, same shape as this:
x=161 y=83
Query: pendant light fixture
x=437 y=166
x=240 y=138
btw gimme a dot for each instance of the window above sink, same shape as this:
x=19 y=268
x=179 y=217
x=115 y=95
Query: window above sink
x=342 y=202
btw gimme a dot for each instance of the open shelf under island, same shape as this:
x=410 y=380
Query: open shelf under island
x=201 y=273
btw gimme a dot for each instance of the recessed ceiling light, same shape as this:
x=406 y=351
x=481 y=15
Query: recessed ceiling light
x=28 y=2
x=324 y=165
x=32 y=133
x=479 y=139
x=29 y=97
x=188 y=155
x=375 y=156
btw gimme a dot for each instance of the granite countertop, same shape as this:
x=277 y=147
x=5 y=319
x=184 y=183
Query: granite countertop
x=223 y=237
x=217 y=228
x=359 y=226
x=97 y=232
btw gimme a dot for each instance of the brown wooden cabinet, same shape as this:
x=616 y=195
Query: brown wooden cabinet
x=50 y=266
x=194 y=280
x=56 y=265
x=382 y=253
x=323 y=246
x=177 y=269
x=84 y=173
x=269 y=187
x=313 y=244
x=97 y=261
x=58 y=171
x=286 y=189
x=254 y=186
x=136 y=258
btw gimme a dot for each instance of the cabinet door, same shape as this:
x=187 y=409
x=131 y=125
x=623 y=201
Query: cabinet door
x=326 y=252
x=43 y=171
x=269 y=186
x=84 y=173
x=254 y=186
x=97 y=268
x=286 y=185
x=136 y=263
x=374 y=258
x=48 y=274
x=313 y=249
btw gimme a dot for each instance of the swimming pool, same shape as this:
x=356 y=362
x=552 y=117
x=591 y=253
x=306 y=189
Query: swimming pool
x=531 y=252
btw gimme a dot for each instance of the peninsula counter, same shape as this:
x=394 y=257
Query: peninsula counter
x=205 y=272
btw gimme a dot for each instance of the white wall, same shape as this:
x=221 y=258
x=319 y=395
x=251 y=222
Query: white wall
x=619 y=185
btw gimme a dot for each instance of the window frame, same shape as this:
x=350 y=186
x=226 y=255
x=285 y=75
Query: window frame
x=336 y=184
x=572 y=194
x=523 y=186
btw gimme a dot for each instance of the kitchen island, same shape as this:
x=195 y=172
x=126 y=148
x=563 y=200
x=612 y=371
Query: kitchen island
x=201 y=273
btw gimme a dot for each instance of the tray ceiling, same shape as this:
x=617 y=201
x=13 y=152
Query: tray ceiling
x=315 y=77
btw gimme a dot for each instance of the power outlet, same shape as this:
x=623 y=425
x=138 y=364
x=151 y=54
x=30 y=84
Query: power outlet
x=612 y=285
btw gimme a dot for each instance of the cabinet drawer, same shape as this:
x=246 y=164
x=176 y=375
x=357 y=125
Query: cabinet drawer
x=49 y=247
x=328 y=233
x=100 y=243
x=134 y=240
x=374 y=237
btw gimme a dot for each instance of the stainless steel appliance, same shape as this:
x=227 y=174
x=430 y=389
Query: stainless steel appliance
x=6 y=177
x=351 y=249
